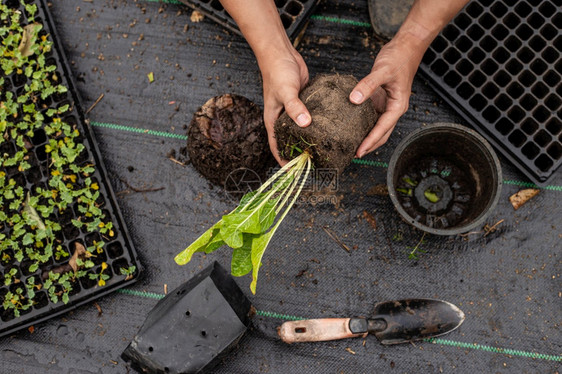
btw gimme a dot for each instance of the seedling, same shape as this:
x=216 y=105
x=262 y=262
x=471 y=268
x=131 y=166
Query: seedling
x=128 y=272
x=29 y=217
x=100 y=277
x=16 y=301
x=413 y=255
x=249 y=228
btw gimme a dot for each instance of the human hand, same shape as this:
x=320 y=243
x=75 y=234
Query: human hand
x=389 y=86
x=283 y=79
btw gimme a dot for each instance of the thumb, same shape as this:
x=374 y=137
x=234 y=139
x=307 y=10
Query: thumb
x=297 y=111
x=366 y=87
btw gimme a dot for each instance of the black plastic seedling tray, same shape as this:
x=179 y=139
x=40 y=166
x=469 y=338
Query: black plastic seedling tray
x=118 y=251
x=293 y=13
x=499 y=64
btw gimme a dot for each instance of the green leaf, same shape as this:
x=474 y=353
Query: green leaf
x=410 y=181
x=33 y=216
x=241 y=263
x=27 y=239
x=268 y=214
x=405 y=191
x=235 y=224
x=431 y=196
x=259 y=246
x=209 y=241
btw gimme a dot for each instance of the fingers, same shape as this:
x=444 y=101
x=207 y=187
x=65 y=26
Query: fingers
x=380 y=133
x=367 y=87
x=297 y=111
x=295 y=108
x=269 y=118
x=274 y=150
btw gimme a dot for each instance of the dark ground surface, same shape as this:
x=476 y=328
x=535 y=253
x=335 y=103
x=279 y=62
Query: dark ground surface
x=508 y=283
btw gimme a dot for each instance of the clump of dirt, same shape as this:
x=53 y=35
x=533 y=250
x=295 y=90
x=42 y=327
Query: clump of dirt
x=338 y=127
x=226 y=134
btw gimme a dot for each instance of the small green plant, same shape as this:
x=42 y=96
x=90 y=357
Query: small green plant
x=249 y=228
x=398 y=237
x=128 y=272
x=16 y=301
x=416 y=250
x=10 y=276
x=31 y=214
x=101 y=277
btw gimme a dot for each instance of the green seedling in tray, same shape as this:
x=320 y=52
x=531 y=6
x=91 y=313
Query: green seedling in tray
x=248 y=229
x=29 y=216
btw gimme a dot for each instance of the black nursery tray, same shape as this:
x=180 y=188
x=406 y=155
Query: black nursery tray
x=499 y=64
x=117 y=253
x=293 y=13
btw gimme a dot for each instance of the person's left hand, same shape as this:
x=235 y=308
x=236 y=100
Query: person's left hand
x=389 y=86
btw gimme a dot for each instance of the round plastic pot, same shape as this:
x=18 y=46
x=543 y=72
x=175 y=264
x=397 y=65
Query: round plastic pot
x=473 y=162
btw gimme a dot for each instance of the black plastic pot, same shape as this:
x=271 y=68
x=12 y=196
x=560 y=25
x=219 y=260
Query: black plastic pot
x=444 y=179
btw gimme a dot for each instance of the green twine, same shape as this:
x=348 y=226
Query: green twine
x=379 y=164
x=138 y=130
x=342 y=21
x=487 y=348
x=148 y=295
x=532 y=185
x=287 y=317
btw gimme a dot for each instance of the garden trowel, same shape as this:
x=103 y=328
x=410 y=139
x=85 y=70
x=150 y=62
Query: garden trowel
x=393 y=322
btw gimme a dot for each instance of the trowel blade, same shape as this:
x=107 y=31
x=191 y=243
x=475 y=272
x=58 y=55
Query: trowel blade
x=415 y=319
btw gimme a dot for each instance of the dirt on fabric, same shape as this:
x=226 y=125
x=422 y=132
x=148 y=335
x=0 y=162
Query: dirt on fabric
x=338 y=127
x=227 y=133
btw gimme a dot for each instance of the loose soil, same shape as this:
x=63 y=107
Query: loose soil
x=227 y=133
x=338 y=127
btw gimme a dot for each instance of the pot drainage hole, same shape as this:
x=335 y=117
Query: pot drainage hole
x=435 y=193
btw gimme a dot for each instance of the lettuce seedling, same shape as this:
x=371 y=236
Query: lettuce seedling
x=249 y=228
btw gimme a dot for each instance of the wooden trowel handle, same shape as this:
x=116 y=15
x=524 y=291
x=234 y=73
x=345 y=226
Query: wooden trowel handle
x=317 y=330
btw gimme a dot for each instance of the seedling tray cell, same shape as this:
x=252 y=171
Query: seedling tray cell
x=499 y=64
x=111 y=262
x=293 y=13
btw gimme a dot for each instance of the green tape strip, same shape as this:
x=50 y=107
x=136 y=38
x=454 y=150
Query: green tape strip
x=355 y=160
x=342 y=21
x=379 y=164
x=450 y=343
x=532 y=185
x=287 y=317
x=487 y=348
x=138 y=130
x=147 y=295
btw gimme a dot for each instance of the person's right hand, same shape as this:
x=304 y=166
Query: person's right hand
x=283 y=78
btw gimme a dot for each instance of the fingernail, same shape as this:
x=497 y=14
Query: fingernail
x=356 y=97
x=361 y=154
x=302 y=119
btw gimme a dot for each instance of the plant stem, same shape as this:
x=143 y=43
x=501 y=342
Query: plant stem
x=412 y=255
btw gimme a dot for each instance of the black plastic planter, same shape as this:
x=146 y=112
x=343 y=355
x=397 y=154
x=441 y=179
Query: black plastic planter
x=444 y=179
x=498 y=64
x=194 y=327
